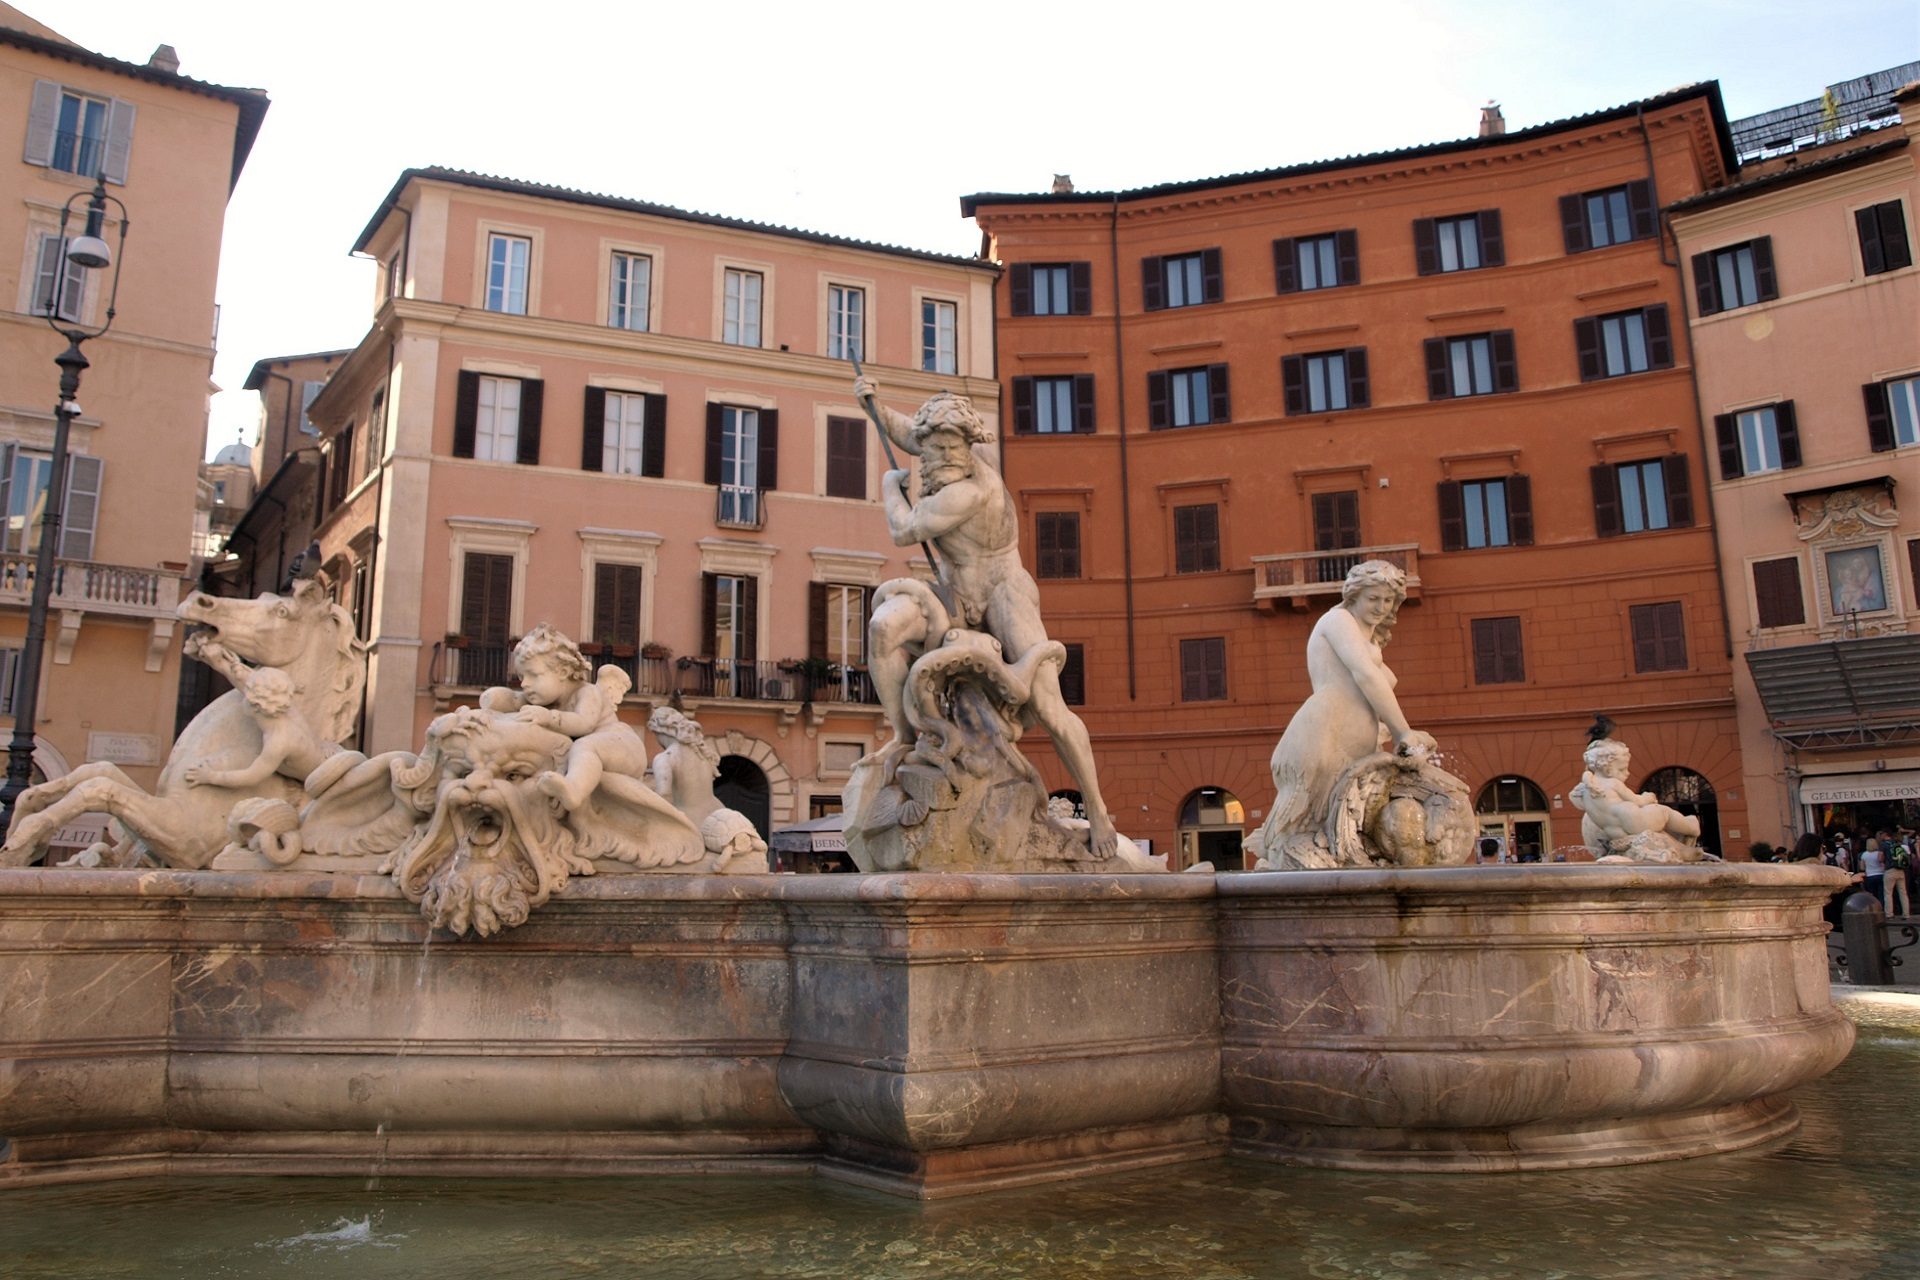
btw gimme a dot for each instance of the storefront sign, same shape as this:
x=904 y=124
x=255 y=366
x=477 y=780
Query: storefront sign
x=1860 y=788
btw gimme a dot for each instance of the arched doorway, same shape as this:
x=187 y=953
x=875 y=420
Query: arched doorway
x=1069 y=797
x=1691 y=794
x=1213 y=824
x=1513 y=811
x=742 y=785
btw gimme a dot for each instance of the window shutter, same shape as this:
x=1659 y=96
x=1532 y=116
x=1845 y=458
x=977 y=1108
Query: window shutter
x=817 y=620
x=1153 y=284
x=846 y=458
x=1659 y=338
x=7 y=452
x=1221 y=407
x=532 y=394
x=1706 y=298
x=593 y=430
x=709 y=612
x=1646 y=639
x=1020 y=289
x=1573 y=223
x=1022 y=406
x=486 y=598
x=1520 y=510
x=1787 y=427
x=43 y=117
x=1506 y=370
x=1586 y=347
x=1293 y=383
x=1895 y=248
x=1359 y=385
x=1726 y=434
x=1159 y=412
x=1646 y=219
x=1763 y=276
x=1212 y=286
x=1286 y=269
x=713 y=449
x=1453 y=518
x=1193 y=686
x=473 y=595
x=1493 y=251
x=1867 y=223
x=1067 y=536
x=1879 y=420
x=1483 y=654
x=1080 y=281
x=1073 y=676
x=1083 y=422
x=1346 y=250
x=653 y=445
x=1673 y=470
x=1439 y=383
x=119 y=141
x=606 y=602
x=749 y=648
x=769 y=473
x=1606 y=501
x=1426 y=249
x=1776 y=593
x=466 y=412
x=82 y=506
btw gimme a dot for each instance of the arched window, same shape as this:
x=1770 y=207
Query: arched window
x=1676 y=786
x=1511 y=795
x=742 y=785
x=1212 y=826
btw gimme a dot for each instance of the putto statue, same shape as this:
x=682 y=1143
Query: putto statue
x=962 y=667
x=1356 y=785
x=1621 y=825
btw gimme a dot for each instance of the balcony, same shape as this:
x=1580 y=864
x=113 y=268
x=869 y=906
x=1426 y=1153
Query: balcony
x=740 y=507
x=464 y=667
x=783 y=681
x=1301 y=577
x=95 y=588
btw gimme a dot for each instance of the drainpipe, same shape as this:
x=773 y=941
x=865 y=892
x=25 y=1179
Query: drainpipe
x=1126 y=484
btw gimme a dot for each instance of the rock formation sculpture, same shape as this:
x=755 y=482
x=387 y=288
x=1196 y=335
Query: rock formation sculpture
x=1621 y=825
x=1356 y=785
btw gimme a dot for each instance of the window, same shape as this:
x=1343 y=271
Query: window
x=739 y=465
x=1613 y=216
x=1326 y=381
x=1776 y=593
x=55 y=271
x=846 y=321
x=1623 y=342
x=1757 y=440
x=1659 y=636
x=1336 y=523
x=1635 y=497
x=837 y=623
x=740 y=323
x=1203 y=669
x=939 y=341
x=731 y=630
x=629 y=291
x=1460 y=243
x=79 y=145
x=1476 y=364
x=507 y=259
x=1883 y=238
x=1497 y=656
x=1486 y=513
x=1187 y=397
x=24 y=475
x=1050 y=288
x=486 y=618
x=1893 y=413
x=616 y=614
x=1056 y=544
x=1196 y=538
x=1736 y=276
x=624 y=433
x=1053 y=406
x=1316 y=262
x=78 y=133
x=1182 y=280
x=497 y=419
x=309 y=392
x=846 y=458
x=1073 y=676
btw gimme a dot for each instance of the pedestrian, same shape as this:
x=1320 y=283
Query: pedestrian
x=1873 y=865
x=1807 y=849
x=1899 y=859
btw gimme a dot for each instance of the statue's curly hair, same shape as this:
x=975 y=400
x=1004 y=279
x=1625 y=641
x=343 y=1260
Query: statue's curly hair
x=1377 y=573
x=945 y=411
x=548 y=641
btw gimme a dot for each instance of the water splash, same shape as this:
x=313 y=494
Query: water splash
x=347 y=1233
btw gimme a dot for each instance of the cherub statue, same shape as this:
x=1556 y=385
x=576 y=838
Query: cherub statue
x=559 y=691
x=289 y=745
x=1621 y=823
x=687 y=764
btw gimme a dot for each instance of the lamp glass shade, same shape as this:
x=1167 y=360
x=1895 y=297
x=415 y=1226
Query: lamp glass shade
x=89 y=251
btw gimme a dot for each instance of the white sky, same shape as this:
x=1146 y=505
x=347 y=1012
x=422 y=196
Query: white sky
x=872 y=119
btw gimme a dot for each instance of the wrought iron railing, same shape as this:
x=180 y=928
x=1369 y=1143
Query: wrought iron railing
x=649 y=675
x=462 y=664
x=740 y=507
x=87 y=584
x=1313 y=573
x=78 y=153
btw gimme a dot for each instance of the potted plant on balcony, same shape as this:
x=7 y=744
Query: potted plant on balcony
x=457 y=641
x=654 y=649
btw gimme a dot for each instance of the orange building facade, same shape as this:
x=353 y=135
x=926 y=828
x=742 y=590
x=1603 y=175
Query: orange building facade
x=1470 y=358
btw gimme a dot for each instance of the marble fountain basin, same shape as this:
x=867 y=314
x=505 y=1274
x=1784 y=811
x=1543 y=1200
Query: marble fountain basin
x=927 y=1035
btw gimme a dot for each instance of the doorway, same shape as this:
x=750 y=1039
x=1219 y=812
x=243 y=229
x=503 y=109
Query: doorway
x=1687 y=792
x=1513 y=811
x=1213 y=826
x=742 y=785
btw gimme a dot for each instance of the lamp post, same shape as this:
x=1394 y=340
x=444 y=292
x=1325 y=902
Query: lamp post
x=90 y=252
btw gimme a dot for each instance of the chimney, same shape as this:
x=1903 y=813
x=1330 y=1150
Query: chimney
x=1492 y=123
x=1063 y=184
x=165 y=59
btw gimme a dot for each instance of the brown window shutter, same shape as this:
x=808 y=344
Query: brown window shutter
x=1894 y=245
x=1879 y=418
x=1080 y=284
x=1763 y=275
x=466 y=412
x=1067 y=537
x=1215 y=650
x=1867 y=223
x=1484 y=657
x=1646 y=220
x=606 y=602
x=713 y=449
x=1023 y=405
x=1286 y=269
x=486 y=597
x=1293 y=382
x=1706 y=297
x=1153 y=284
x=1346 y=251
x=1207 y=537
x=709 y=613
x=1439 y=380
x=1183 y=540
x=1359 y=385
x=1646 y=641
x=1606 y=500
x=1497 y=654
x=1586 y=347
x=626 y=618
x=769 y=472
x=1726 y=434
x=1786 y=426
x=1159 y=402
x=1083 y=421
x=1336 y=520
x=653 y=447
x=1506 y=369
x=1073 y=676
x=1659 y=338
x=1044 y=544
x=593 y=430
x=817 y=620
x=846 y=458
x=1220 y=408
x=750 y=619
x=1493 y=251
x=532 y=397
x=1673 y=469
x=1020 y=289
x=1212 y=283
x=1453 y=517
x=1520 y=510
x=1776 y=593
x=1573 y=223
x=1426 y=248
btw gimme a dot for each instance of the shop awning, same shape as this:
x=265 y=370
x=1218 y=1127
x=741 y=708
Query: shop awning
x=1860 y=788
x=1841 y=693
x=821 y=835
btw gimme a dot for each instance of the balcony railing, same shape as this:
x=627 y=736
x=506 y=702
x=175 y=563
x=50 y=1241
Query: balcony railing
x=740 y=507
x=79 y=153
x=649 y=675
x=99 y=588
x=1299 y=576
x=459 y=664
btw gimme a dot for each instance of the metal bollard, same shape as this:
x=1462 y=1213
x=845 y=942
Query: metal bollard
x=1864 y=928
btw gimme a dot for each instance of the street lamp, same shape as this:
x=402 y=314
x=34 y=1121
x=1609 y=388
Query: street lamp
x=90 y=252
